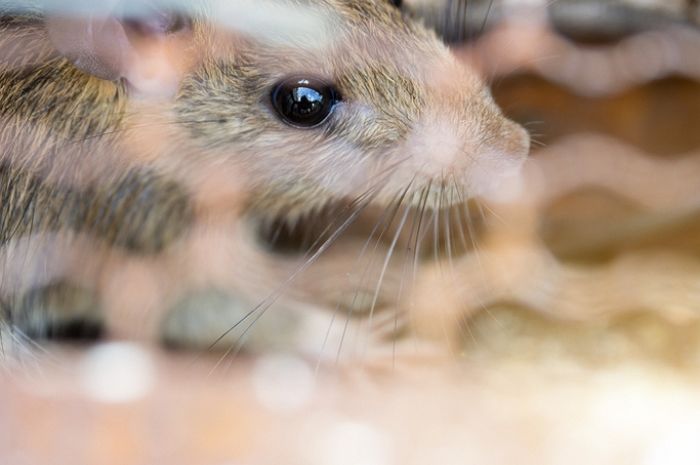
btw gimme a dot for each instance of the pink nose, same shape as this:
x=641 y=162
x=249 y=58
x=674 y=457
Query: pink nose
x=513 y=141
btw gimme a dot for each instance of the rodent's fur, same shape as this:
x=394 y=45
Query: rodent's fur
x=412 y=119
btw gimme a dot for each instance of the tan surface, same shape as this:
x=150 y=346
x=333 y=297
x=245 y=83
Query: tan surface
x=487 y=412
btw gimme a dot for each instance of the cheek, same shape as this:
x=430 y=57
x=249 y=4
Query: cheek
x=364 y=126
x=301 y=162
x=348 y=178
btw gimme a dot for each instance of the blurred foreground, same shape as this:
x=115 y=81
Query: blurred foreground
x=152 y=409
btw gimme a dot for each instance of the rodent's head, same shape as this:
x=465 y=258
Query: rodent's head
x=321 y=100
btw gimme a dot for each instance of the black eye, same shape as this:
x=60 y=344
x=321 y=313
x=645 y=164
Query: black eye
x=396 y=3
x=304 y=102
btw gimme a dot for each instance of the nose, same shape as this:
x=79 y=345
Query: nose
x=454 y=87
x=513 y=140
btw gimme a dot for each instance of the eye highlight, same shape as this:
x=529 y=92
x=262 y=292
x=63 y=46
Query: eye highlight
x=304 y=102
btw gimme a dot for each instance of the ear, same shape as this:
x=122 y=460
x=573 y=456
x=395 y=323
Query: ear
x=145 y=48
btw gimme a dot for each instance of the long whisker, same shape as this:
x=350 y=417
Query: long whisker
x=477 y=253
x=387 y=225
x=272 y=298
x=378 y=185
x=389 y=254
x=359 y=204
x=408 y=258
x=460 y=228
x=376 y=227
x=448 y=231
x=436 y=224
x=483 y=206
x=420 y=234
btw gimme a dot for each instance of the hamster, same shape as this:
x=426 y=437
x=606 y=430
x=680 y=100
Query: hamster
x=291 y=107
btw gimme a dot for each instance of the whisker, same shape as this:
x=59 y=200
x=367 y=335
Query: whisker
x=378 y=224
x=477 y=254
x=388 y=258
x=359 y=204
x=378 y=186
x=327 y=336
x=483 y=206
x=391 y=218
x=448 y=232
x=436 y=224
x=420 y=235
x=409 y=257
x=270 y=300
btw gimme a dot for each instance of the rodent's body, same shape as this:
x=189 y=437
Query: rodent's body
x=76 y=160
x=60 y=142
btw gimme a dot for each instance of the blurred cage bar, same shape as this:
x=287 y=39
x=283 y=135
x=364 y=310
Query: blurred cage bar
x=603 y=231
x=596 y=255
